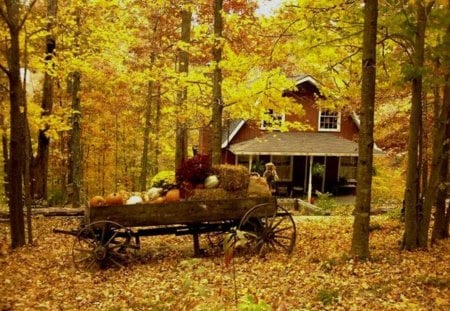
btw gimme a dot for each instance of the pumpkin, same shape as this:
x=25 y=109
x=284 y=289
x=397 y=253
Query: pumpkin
x=211 y=182
x=97 y=201
x=114 y=199
x=134 y=199
x=173 y=195
x=158 y=200
x=154 y=193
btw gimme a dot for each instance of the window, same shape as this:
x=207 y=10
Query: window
x=271 y=120
x=329 y=121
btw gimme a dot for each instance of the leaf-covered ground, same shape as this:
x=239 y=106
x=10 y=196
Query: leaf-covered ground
x=319 y=276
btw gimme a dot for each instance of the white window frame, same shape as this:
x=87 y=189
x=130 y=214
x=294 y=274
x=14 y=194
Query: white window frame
x=338 y=121
x=277 y=120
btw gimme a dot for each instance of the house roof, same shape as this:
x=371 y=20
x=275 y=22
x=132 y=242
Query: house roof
x=298 y=143
x=230 y=130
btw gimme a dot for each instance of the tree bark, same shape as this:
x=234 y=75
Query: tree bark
x=146 y=138
x=181 y=139
x=155 y=144
x=39 y=163
x=442 y=215
x=17 y=127
x=360 y=239
x=217 y=102
x=75 y=161
x=439 y=156
x=413 y=206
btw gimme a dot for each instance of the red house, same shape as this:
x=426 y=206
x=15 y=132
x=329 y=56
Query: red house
x=324 y=158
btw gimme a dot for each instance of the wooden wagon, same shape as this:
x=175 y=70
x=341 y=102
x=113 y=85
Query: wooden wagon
x=108 y=235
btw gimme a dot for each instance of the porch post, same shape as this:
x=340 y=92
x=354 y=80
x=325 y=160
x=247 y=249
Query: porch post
x=324 y=173
x=250 y=158
x=310 y=179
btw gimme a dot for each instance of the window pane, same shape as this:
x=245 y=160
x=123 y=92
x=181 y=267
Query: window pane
x=329 y=120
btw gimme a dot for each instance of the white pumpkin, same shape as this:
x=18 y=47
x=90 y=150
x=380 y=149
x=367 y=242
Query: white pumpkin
x=154 y=193
x=135 y=199
x=211 y=182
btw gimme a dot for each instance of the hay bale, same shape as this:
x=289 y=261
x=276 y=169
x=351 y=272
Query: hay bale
x=216 y=194
x=232 y=177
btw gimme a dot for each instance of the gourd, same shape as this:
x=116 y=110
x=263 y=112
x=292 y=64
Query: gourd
x=158 y=200
x=173 y=195
x=97 y=201
x=211 y=182
x=114 y=199
x=134 y=199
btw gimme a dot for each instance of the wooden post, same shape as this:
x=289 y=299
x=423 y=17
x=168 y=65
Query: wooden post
x=311 y=158
x=196 y=240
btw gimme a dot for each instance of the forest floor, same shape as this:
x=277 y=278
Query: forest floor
x=320 y=274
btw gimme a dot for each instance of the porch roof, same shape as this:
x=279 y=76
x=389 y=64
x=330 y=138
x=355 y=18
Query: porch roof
x=298 y=143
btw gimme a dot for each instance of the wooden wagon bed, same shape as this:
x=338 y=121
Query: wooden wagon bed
x=108 y=234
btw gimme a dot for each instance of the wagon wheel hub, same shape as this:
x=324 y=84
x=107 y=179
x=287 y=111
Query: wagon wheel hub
x=100 y=253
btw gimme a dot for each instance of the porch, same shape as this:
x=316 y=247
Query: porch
x=305 y=162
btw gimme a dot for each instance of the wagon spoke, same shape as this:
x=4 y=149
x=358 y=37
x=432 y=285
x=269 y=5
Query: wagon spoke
x=102 y=238
x=273 y=226
x=273 y=242
x=118 y=264
x=283 y=237
x=104 y=242
x=275 y=230
x=83 y=250
x=83 y=259
x=282 y=229
x=91 y=264
x=111 y=238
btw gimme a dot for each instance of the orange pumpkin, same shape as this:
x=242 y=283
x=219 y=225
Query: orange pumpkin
x=173 y=195
x=97 y=201
x=114 y=199
x=158 y=200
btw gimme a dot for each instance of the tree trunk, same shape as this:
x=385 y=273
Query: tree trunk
x=442 y=216
x=217 y=103
x=146 y=138
x=154 y=169
x=39 y=163
x=17 y=140
x=413 y=207
x=439 y=156
x=75 y=165
x=181 y=139
x=360 y=239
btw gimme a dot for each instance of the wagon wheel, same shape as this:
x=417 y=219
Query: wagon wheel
x=267 y=227
x=102 y=244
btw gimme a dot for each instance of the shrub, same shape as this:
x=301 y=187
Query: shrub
x=326 y=201
x=194 y=170
x=164 y=179
x=56 y=198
